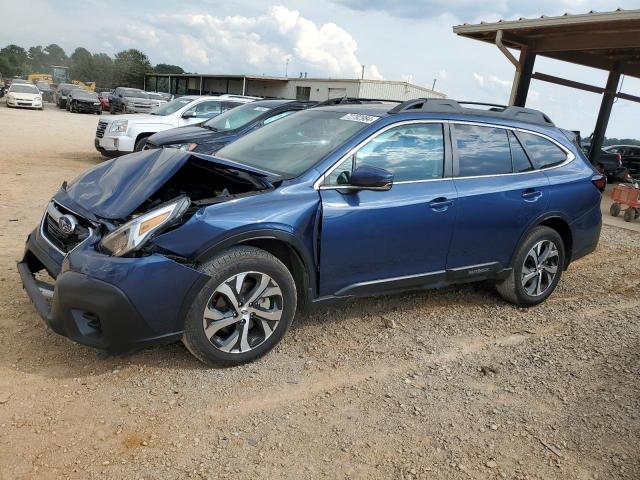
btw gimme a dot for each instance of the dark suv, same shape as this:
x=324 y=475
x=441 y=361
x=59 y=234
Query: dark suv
x=212 y=135
x=328 y=203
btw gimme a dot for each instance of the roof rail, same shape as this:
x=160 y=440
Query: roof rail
x=445 y=105
x=352 y=100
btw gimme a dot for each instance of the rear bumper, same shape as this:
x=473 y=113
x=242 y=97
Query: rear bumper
x=586 y=233
x=87 y=107
x=110 y=303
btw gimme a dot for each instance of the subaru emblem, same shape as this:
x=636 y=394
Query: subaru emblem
x=67 y=224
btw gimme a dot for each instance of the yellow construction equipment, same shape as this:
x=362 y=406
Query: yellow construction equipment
x=87 y=86
x=40 y=77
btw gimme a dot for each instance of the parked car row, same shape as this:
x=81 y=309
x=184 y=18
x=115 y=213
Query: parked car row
x=118 y=135
x=307 y=204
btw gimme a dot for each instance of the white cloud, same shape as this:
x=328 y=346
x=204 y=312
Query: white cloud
x=255 y=44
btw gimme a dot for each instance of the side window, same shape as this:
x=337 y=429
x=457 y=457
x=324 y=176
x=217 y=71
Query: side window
x=206 y=109
x=542 y=152
x=410 y=152
x=519 y=159
x=482 y=150
x=230 y=105
x=278 y=117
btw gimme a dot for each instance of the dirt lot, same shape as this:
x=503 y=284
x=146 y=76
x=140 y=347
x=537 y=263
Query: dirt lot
x=452 y=383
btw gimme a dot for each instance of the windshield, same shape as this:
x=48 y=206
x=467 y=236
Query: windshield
x=294 y=144
x=155 y=96
x=236 y=117
x=134 y=94
x=171 y=107
x=23 y=88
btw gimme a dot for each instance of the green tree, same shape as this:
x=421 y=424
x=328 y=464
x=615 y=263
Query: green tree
x=81 y=65
x=167 y=68
x=130 y=67
x=55 y=55
x=14 y=61
x=104 y=70
x=38 y=60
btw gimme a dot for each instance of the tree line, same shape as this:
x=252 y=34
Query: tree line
x=125 y=69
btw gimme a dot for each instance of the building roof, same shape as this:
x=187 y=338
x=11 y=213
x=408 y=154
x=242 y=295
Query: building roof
x=605 y=40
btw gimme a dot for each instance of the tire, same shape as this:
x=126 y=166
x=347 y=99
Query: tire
x=637 y=214
x=614 y=210
x=140 y=143
x=111 y=110
x=537 y=289
x=99 y=112
x=252 y=266
x=629 y=214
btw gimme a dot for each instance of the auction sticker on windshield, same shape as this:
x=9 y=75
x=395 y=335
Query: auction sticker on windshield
x=357 y=117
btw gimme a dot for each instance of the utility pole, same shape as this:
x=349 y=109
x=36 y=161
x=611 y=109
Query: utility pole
x=362 y=76
x=433 y=87
x=286 y=66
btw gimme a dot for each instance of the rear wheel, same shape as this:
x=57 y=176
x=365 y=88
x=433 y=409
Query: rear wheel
x=536 y=270
x=614 y=210
x=243 y=311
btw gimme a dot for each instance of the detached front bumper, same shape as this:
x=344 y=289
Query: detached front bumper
x=111 y=303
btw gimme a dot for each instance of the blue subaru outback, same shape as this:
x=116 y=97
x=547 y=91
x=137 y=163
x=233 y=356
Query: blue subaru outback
x=333 y=202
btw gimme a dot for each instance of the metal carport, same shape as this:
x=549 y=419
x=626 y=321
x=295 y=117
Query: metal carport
x=608 y=41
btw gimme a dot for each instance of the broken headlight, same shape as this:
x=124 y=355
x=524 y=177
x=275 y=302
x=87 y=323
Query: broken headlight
x=133 y=234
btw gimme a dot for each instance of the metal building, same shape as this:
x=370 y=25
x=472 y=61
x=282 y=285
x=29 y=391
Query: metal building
x=280 y=87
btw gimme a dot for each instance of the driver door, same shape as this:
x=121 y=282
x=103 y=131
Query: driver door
x=374 y=241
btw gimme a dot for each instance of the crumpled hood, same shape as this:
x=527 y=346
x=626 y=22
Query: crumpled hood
x=114 y=189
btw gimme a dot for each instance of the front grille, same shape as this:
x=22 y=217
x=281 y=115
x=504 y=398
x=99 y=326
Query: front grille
x=62 y=241
x=102 y=126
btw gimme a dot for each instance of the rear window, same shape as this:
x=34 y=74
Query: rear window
x=482 y=150
x=542 y=152
x=519 y=158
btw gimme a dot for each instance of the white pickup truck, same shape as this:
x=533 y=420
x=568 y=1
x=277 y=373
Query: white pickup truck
x=120 y=134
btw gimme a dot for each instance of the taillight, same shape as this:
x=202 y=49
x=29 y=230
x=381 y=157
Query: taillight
x=600 y=182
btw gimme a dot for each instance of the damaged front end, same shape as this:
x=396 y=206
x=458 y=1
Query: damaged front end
x=112 y=288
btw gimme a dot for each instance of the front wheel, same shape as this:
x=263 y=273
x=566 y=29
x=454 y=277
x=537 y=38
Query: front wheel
x=140 y=143
x=614 y=210
x=536 y=270
x=244 y=309
x=629 y=214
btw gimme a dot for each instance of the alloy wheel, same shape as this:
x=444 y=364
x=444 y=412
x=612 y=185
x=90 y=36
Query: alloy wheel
x=243 y=312
x=540 y=268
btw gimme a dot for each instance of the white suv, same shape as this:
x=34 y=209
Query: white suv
x=118 y=135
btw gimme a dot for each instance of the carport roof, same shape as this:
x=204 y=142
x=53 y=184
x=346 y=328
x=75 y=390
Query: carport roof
x=608 y=40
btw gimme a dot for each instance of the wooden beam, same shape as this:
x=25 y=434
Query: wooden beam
x=543 y=77
x=594 y=40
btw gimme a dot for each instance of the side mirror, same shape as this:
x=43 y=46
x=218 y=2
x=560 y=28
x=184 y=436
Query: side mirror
x=371 y=178
x=189 y=114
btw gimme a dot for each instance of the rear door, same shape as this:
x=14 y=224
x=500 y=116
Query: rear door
x=499 y=194
x=380 y=240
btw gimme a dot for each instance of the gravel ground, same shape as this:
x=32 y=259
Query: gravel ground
x=452 y=383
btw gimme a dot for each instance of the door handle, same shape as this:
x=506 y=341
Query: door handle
x=440 y=204
x=531 y=195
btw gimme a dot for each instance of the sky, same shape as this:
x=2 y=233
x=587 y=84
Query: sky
x=395 y=40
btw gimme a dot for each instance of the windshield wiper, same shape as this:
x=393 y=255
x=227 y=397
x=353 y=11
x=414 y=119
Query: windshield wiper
x=208 y=127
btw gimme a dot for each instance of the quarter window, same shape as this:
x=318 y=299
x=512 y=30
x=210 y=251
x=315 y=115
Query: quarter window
x=482 y=150
x=519 y=158
x=543 y=153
